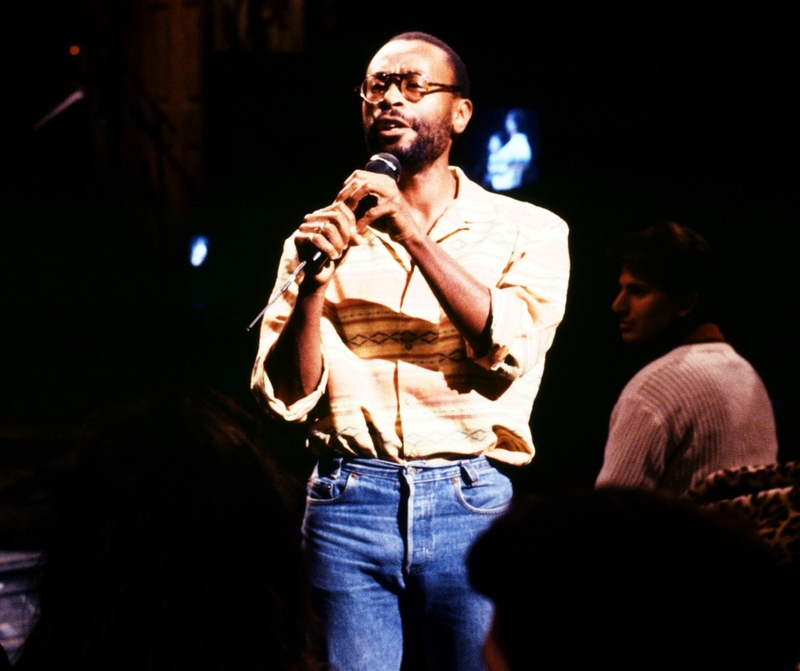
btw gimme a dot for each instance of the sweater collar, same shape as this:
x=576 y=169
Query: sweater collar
x=704 y=333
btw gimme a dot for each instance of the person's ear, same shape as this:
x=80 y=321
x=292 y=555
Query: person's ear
x=461 y=114
x=689 y=304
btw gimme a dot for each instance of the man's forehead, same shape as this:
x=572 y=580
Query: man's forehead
x=412 y=56
x=626 y=277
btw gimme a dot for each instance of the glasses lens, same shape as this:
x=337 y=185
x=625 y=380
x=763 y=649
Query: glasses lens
x=373 y=88
x=413 y=87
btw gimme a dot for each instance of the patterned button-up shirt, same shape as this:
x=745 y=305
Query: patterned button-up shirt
x=399 y=381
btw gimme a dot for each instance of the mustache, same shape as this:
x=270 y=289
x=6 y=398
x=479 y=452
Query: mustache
x=394 y=116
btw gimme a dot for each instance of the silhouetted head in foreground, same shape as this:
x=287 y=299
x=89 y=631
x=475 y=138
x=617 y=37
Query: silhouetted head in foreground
x=175 y=550
x=625 y=580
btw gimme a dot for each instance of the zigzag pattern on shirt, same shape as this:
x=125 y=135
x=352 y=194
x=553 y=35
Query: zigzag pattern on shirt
x=405 y=338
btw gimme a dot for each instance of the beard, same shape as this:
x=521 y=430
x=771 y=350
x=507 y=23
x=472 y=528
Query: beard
x=431 y=142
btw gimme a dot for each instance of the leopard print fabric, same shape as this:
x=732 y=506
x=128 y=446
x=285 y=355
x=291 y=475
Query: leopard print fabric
x=768 y=497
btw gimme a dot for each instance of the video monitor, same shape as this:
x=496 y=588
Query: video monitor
x=502 y=147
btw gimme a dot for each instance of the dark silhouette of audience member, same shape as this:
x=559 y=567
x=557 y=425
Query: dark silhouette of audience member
x=697 y=406
x=630 y=580
x=175 y=549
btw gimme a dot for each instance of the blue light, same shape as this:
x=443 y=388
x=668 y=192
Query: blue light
x=199 y=250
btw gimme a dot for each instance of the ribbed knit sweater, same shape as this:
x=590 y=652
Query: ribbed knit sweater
x=697 y=409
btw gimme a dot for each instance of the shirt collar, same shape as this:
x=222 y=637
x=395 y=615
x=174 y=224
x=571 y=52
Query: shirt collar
x=471 y=205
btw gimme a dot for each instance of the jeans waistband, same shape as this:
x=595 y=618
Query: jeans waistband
x=469 y=469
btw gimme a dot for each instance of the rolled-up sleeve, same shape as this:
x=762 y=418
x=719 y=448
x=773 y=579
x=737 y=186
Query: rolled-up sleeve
x=529 y=301
x=264 y=392
x=271 y=327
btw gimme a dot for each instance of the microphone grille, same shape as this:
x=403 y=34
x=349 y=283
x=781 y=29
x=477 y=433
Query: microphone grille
x=384 y=164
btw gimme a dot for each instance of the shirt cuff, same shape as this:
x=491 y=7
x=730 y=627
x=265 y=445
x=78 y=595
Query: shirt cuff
x=506 y=324
x=300 y=409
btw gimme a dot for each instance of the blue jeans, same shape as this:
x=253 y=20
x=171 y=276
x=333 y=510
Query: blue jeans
x=386 y=545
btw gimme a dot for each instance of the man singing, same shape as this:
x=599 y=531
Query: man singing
x=413 y=356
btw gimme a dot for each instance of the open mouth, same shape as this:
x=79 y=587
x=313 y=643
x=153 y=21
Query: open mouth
x=390 y=123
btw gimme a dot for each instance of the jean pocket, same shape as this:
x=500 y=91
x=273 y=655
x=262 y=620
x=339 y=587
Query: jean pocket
x=489 y=495
x=327 y=488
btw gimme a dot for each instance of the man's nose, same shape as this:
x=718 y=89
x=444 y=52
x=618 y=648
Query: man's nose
x=620 y=304
x=393 y=96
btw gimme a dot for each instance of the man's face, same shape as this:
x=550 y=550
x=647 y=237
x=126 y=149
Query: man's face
x=644 y=311
x=417 y=133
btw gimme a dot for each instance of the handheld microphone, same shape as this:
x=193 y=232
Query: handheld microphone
x=311 y=258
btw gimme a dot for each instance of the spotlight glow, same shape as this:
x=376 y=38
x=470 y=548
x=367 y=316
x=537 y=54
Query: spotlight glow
x=198 y=250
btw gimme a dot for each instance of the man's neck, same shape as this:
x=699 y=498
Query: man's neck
x=429 y=191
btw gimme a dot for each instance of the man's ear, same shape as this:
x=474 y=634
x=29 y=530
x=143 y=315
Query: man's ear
x=689 y=304
x=461 y=114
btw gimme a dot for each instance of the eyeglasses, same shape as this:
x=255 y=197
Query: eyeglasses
x=412 y=86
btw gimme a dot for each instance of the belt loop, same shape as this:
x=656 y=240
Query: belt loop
x=328 y=466
x=468 y=472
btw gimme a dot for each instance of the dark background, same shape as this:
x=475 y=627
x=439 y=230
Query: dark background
x=646 y=115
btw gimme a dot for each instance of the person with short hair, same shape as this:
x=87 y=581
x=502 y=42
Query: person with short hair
x=413 y=356
x=699 y=406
